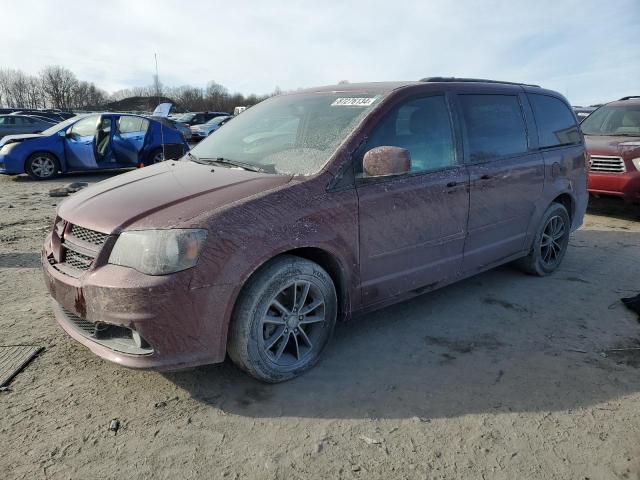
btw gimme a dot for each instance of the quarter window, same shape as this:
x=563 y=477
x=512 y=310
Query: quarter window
x=494 y=126
x=556 y=124
x=423 y=127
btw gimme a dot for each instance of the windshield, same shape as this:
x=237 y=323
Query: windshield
x=289 y=134
x=613 y=120
x=185 y=118
x=60 y=126
x=216 y=120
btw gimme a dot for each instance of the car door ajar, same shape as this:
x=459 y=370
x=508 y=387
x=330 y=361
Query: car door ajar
x=413 y=225
x=129 y=138
x=80 y=144
x=506 y=177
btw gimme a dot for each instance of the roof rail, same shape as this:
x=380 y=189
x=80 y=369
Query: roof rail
x=477 y=80
x=629 y=97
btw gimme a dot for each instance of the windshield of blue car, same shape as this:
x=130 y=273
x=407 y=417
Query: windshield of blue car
x=613 y=120
x=60 y=126
x=289 y=134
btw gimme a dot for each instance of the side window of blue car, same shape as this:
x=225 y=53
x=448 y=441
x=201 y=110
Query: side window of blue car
x=85 y=128
x=132 y=126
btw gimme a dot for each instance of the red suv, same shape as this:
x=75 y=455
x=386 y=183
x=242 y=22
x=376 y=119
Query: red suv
x=612 y=137
x=309 y=208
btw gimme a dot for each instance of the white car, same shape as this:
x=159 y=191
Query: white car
x=202 y=131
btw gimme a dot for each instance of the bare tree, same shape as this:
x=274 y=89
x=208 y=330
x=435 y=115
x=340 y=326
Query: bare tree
x=58 y=85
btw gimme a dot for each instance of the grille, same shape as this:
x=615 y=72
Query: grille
x=607 y=164
x=78 y=260
x=80 y=246
x=115 y=337
x=80 y=323
x=89 y=236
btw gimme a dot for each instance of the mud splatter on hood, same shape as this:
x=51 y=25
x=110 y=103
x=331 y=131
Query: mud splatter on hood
x=162 y=196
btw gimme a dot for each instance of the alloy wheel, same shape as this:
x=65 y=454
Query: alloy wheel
x=293 y=324
x=551 y=244
x=43 y=167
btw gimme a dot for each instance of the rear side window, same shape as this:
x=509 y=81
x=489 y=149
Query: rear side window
x=556 y=124
x=132 y=124
x=494 y=125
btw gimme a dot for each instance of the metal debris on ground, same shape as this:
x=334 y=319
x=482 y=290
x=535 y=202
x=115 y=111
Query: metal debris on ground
x=114 y=425
x=13 y=358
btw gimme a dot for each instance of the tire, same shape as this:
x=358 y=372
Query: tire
x=550 y=242
x=156 y=156
x=42 y=166
x=278 y=343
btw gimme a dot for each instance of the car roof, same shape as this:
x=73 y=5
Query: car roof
x=387 y=87
x=631 y=100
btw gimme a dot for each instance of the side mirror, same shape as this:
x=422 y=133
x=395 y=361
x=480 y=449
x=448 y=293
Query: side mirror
x=381 y=161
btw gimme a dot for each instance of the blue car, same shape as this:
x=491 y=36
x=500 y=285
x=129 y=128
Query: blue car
x=91 y=142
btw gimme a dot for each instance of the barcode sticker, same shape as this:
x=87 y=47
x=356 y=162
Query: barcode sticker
x=353 y=102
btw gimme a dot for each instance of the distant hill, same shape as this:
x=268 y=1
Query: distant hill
x=138 y=104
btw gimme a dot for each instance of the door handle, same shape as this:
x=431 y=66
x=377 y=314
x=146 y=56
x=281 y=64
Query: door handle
x=451 y=184
x=485 y=177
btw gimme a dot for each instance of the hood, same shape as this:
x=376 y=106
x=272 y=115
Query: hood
x=164 y=195
x=610 y=145
x=18 y=138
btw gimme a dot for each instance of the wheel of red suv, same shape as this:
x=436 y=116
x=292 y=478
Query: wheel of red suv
x=550 y=243
x=42 y=166
x=284 y=318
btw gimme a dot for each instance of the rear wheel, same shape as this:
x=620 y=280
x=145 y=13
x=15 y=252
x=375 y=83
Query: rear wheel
x=42 y=166
x=550 y=243
x=283 y=319
x=156 y=156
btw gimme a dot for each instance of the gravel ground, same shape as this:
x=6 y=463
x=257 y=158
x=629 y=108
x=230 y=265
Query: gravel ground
x=501 y=376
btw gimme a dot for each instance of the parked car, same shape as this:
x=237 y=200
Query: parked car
x=583 y=112
x=16 y=124
x=203 y=131
x=181 y=127
x=53 y=115
x=91 y=142
x=612 y=136
x=198 y=118
x=311 y=207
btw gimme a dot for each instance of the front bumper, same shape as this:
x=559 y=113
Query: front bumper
x=180 y=326
x=625 y=185
x=10 y=165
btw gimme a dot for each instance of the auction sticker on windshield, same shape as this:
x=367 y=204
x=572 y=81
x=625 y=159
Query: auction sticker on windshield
x=353 y=102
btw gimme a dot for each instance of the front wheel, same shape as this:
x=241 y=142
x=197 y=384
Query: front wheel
x=550 y=243
x=42 y=166
x=283 y=319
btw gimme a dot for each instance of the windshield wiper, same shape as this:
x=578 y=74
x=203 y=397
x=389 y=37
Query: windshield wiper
x=194 y=158
x=235 y=163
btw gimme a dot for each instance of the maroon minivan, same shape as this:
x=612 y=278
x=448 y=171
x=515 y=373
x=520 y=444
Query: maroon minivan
x=311 y=207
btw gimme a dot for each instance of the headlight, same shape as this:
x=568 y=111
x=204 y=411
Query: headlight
x=8 y=147
x=158 y=252
x=636 y=163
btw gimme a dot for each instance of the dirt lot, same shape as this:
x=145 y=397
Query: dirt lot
x=501 y=376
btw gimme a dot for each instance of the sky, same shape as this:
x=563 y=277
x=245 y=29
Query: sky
x=587 y=50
